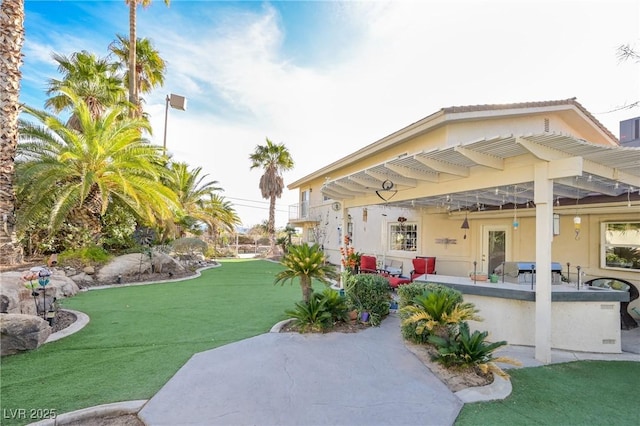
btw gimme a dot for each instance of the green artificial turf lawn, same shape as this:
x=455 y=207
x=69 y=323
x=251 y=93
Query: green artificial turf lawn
x=574 y=393
x=138 y=337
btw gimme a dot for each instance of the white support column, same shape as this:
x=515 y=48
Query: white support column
x=543 y=189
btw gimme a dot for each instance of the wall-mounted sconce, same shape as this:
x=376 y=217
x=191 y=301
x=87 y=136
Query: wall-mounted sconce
x=556 y=224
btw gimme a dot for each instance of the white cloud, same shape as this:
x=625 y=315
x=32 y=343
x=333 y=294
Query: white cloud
x=393 y=63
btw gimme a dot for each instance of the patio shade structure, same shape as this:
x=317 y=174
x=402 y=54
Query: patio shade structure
x=535 y=169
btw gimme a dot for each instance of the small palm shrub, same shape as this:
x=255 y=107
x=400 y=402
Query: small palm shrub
x=335 y=304
x=306 y=262
x=410 y=291
x=465 y=349
x=311 y=316
x=368 y=293
x=435 y=312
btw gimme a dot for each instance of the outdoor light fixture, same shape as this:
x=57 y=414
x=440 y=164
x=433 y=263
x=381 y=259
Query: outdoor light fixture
x=176 y=102
x=465 y=226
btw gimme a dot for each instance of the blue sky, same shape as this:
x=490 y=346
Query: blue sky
x=327 y=78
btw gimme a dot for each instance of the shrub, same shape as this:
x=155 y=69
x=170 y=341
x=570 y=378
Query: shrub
x=368 y=293
x=436 y=311
x=87 y=256
x=410 y=291
x=335 y=304
x=464 y=349
x=312 y=315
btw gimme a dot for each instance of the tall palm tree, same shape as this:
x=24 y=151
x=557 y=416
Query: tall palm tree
x=93 y=79
x=191 y=190
x=77 y=173
x=12 y=36
x=273 y=159
x=133 y=89
x=150 y=67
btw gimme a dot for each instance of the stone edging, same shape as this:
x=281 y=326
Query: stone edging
x=278 y=326
x=500 y=388
x=174 y=280
x=82 y=319
x=86 y=414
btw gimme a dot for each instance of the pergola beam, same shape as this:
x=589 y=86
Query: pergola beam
x=412 y=173
x=397 y=180
x=481 y=158
x=442 y=167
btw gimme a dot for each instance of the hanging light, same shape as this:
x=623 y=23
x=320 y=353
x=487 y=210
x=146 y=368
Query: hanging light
x=465 y=225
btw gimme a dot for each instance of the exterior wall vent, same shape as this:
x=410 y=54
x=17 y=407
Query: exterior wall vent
x=546 y=125
x=606 y=306
x=608 y=341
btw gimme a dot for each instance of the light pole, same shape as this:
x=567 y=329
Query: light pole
x=177 y=102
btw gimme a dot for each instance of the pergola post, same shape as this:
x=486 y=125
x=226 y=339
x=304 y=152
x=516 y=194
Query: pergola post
x=543 y=197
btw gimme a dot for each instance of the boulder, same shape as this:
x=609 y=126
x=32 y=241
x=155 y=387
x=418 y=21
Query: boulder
x=89 y=270
x=17 y=299
x=138 y=263
x=20 y=332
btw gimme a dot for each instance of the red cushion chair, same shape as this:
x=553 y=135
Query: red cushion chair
x=368 y=265
x=423 y=265
x=395 y=282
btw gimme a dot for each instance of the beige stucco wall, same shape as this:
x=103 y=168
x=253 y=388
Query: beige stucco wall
x=576 y=326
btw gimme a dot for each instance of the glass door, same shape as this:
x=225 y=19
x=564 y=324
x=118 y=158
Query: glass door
x=494 y=247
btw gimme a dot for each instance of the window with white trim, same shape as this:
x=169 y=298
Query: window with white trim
x=403 y=236
x=620 y=245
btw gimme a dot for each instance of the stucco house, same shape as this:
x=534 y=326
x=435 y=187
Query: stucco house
x=544 y=183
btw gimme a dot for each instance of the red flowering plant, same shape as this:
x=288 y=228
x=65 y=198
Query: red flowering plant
x=350 y=257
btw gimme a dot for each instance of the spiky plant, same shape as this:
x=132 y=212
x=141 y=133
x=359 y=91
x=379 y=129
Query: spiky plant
x=465 y=349
x=436 y=313
x=306 y=263
x=311 y=316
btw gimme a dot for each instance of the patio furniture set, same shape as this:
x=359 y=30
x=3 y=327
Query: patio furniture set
x=393 y=270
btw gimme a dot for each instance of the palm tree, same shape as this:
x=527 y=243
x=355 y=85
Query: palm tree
x=219 y=215
x=150 y=67
x=133 y=88
x=306 y=263
x=273 y=159
x=12 y=36
x=191 y=190
x=92 y=79
x=76 y=174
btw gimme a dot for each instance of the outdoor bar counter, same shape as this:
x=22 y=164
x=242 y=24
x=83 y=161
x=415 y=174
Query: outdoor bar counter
x=585 y=319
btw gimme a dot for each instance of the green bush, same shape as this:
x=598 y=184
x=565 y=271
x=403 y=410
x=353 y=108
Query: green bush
x=464 y=349
x=311 y=316
x=88 y=255
x=409 y=292
x=436 y=310
x=368 y=293
x=335 y=304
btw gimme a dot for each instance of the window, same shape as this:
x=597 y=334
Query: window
x=403 y=236
x=621 y=245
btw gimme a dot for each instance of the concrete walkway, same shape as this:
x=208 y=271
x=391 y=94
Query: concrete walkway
x=365 y=378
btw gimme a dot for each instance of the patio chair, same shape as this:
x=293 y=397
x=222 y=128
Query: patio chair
x=423 y=265
x=368 y=265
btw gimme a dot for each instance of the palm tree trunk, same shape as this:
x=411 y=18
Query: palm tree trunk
x=133 y=77
x=271 y=225
x=12 y=36
x=307 y=291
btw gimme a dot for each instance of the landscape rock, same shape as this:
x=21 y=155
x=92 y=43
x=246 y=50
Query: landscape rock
x=20 y=332
x=17 y=299
x=89 y=270
x=82 y=278
x=134 y=264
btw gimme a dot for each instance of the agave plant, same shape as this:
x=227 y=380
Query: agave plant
x=465 y=349
x=437 y=313
x=306 y=263
x=335 y=304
